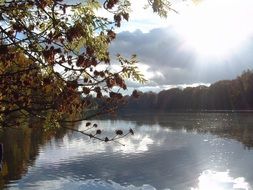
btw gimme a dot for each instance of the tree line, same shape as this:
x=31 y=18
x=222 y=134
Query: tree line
x=234 y=94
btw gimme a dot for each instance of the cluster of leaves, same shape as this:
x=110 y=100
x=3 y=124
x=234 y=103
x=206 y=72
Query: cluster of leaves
x=161 y=7
x=54 y=56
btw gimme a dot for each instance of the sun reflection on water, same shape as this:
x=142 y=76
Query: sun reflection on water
x=212 y=180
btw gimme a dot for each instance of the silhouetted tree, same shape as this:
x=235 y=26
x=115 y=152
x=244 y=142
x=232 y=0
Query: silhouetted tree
x=234 y=94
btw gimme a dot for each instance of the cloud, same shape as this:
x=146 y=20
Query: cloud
x=167 y=60
x=161 y=49
x=220 y=180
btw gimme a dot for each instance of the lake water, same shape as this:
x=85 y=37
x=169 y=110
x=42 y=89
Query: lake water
x=197 y=151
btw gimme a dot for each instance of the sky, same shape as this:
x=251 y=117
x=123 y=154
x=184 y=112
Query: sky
x=203 y=43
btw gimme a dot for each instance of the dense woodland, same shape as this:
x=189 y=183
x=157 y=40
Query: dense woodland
x=234 y=94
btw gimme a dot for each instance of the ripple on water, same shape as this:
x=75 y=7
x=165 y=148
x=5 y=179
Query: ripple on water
x=154 y=158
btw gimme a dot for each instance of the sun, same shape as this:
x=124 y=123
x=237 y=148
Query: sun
x=215 y=27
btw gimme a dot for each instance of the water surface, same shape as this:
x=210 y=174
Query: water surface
x=192 y=151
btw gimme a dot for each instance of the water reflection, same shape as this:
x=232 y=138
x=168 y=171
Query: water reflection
x=89 y=184
x=237 y=126
x=210 y=180
x=70 y=149
x=167 y=152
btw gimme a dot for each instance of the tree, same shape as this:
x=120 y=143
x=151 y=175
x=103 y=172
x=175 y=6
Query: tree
x=222 y=95
x=54 y=59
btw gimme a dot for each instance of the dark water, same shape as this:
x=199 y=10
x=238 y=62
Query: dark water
x=168 y=151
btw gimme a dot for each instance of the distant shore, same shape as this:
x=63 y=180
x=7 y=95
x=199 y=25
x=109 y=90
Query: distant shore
x=182 y=111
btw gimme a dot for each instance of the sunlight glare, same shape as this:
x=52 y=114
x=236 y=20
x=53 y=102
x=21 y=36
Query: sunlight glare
x=215 y=27
x=210 y=180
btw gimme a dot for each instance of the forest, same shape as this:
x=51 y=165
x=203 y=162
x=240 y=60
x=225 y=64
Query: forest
x=234 y=94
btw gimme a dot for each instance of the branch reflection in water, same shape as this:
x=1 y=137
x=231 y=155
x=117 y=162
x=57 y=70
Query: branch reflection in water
x=168 y=151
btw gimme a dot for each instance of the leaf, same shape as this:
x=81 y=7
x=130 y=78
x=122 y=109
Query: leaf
x=119 y=132
x=131 y=131
x=98 y=132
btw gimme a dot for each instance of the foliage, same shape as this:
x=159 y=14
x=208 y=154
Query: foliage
x=234 y=94
x=54 y=56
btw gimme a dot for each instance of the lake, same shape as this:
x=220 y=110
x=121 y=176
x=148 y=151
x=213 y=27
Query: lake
x=176 y=151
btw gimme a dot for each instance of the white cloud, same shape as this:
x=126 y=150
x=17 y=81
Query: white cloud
x=166 y=50
x=210 y=180
x=165 y=60
x=88 y=184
